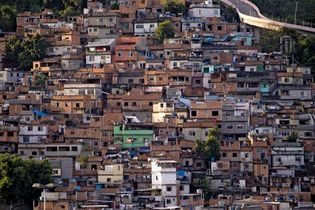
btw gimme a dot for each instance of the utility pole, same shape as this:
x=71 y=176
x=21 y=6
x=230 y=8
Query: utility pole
x=296 y=5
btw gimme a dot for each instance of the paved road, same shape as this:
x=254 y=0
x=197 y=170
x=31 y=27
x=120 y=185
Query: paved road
x=250 y=14
x=244 y=8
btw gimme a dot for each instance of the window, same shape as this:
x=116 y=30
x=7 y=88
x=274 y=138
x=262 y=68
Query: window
x=215 y=113
x=90 y=91
x=192 y=133
x=234 y=154
x=10 y=134
x=34 y=153
x=161 y=105
x=134 y=103
x=126 y=25
x=193 y=113
x=119 y=54
x=74 y=149
x=198 y=164
x=186 y=163
x=168 y=189
x=181 y=188
x=156 y=178
x=1 y=133
x=51 y=149
x=150 y=103
x=230 y=127
x=168 y=201
x=118 y=104
x=139 y=26
x=39 y=128
x=64 y=149
x=224 y=154
x=126 y=104
x=219 y=28
x=29 y=128
x=26 y=139
x=77 y=105
x=240 y=126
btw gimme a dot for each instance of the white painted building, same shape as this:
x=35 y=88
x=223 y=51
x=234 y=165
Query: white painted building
x=63 y=50
x=289 y=155
x=145 y=28
x=160 y=110
x=94 y=90
x=164 y=178
x=32 y=133
x=99 y=52
x=9 y=76
x=206 y=9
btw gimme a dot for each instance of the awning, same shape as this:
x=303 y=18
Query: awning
x=40 y=114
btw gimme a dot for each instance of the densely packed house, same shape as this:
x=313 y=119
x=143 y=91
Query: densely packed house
x=118 y=114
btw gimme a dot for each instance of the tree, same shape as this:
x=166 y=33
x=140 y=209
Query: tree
x=12 y=50
x=270 y=40
x=164 y=30
x=230 y=14
x=68 y=11
x=174 y=7
x=209 y=150
x=17 y=177
x=21 y=54
x=7 y=18
x=40 y=79
x=285 y=9
x=34 y=48
x=305 y=50
x=292 y=137
x=204 y=185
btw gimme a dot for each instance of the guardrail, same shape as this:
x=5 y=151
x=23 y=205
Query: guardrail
x=262 y=21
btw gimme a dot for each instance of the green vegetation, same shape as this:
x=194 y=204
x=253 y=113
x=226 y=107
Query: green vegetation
x=165 y=30
x=83 y=160
x=62 y=8
x=285 y=9
x=292 y=138
x=7 y=18
x=21 y=54
x=17 y=177
x=175 y=7
x=40 y=79
x=209 y=150
x=204 y=185
x=304 y=50
x=229 y=14
x=269 y=40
